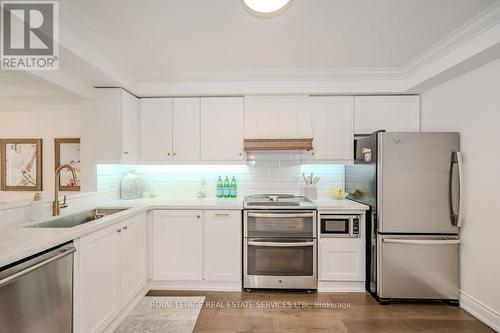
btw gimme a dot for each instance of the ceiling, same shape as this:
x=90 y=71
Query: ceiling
x=158 y=39
x=19 y=84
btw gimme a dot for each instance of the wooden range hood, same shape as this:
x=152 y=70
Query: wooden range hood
x=277 y=144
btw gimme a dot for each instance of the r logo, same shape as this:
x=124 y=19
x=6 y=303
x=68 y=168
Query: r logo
x=29 y=34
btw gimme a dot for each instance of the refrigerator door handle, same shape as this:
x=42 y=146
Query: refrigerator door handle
x=460 y=190
x=422 y=241
x=456 y=218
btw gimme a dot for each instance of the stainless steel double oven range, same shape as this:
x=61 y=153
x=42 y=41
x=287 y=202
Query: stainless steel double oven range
x=279 y=244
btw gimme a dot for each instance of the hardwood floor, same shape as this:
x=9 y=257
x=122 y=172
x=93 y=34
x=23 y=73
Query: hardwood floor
x=275 y=311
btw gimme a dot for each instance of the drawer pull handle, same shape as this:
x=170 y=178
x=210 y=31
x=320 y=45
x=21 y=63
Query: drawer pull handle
x=422 y=241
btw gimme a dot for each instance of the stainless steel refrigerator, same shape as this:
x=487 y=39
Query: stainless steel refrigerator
x=413 y=185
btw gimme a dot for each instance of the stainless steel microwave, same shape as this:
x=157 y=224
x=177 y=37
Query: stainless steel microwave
x=342 y=226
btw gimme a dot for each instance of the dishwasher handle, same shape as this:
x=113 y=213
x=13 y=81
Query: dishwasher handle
x=63 y=252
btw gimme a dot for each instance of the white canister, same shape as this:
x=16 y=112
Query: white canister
x=36 y=208
x=131 y=187
x=311 y=192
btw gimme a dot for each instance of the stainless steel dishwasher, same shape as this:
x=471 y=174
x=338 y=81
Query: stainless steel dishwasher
x=36 y=294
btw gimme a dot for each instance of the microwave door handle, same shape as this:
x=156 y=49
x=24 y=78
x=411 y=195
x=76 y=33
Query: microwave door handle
x=279 y=244
x=456 y=218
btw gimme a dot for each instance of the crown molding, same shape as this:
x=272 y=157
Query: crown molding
x=479 y=35
x=473 y=28
x=281 y=74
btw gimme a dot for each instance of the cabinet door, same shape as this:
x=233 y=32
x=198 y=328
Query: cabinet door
x=99 y=279
x=222 y=128
x=177 y=245
x=130 y=128
x=333 y=127
x=341 y=261
x=106 y=129
x=222 y=245
x=186 y=129
x=133 y=258
x=156 y=129
x=277 y=117
x=390 y=113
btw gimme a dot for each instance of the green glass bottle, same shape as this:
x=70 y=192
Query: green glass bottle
x=227 y=188
x=234 y=193
x=220 y=188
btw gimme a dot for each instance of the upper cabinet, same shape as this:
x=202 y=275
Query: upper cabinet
x=115 y=130
x=222 y=129
x=186 y=129
x=332 y=127
x=156 y=129
x=390 y=113
x=277 y=117
x=170 y=129
x=214 y=128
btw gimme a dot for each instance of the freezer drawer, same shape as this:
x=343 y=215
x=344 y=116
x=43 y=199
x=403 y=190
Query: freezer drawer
x=418 y=267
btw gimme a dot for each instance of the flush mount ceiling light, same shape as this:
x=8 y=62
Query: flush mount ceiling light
x=266 y=7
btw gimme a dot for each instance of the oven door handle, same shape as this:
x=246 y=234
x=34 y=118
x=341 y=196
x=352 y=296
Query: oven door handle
x=289 y=215
x=280 y=244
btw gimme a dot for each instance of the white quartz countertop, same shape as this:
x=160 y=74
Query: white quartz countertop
x=20 y=241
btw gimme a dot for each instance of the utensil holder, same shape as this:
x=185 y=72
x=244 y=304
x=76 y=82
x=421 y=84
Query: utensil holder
x=311 y=192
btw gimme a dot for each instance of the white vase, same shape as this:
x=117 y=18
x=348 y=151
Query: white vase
x=131 y=187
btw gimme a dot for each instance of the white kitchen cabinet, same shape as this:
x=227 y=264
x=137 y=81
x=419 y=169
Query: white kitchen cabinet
x=115 y=130
x=222 y=129
x=99 y=278
x=170 y=129
x=277 y=117
x=133 y=258
x=177 y=245
x=186 y=129
x=390 y=113
x=156 y=136
x=112 y=271
x=333 y=127
x=341 y=260
x=222 y=245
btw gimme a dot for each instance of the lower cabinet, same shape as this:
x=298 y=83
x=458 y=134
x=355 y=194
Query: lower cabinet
x=112 y=270
x=133 y=258
x=197 y=245
x=341 y=261
x=177 y=245
x=222 y=245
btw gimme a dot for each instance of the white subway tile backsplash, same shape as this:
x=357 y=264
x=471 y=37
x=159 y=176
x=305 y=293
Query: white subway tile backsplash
x=282 y=175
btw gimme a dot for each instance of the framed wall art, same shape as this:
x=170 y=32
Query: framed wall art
x=21 y=164
x=67 y=151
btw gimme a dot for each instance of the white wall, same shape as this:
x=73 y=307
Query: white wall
x=470 y=104
x=38 y=117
